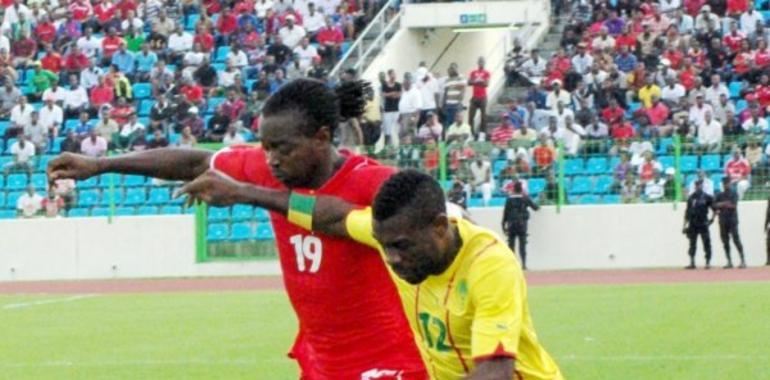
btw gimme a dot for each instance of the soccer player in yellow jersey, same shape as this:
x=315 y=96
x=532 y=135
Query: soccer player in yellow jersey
x=461 y=287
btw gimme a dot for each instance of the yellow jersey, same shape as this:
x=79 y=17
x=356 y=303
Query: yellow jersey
x=476 y=309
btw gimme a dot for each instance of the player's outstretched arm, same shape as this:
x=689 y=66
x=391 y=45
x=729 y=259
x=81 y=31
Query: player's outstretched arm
x=493 y=369
x=328 y=215
x=168 y=163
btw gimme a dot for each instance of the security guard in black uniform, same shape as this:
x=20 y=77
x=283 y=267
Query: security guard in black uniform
x=726 y=204
x=515 y=219
x=696 y=222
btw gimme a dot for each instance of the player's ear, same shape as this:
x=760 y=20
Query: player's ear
x=441 y=224
x=324 y=134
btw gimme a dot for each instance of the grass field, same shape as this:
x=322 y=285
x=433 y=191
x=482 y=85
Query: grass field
x=692 y=331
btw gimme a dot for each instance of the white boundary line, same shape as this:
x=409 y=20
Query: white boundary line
x=21 y=305
x=137 y=363
x=645 y=358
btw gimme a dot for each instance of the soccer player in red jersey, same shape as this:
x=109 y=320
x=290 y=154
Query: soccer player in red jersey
x=351 y=322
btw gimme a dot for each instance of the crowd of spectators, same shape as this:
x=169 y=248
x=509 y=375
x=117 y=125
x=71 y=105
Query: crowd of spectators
x=93 y=76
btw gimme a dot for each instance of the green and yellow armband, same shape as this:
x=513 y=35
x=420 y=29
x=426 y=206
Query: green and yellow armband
x=301 y=208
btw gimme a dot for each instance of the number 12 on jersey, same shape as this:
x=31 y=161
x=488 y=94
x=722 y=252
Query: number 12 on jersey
x=307 y=248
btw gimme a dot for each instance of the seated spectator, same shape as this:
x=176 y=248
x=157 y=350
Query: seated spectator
x=65 y=189
x=502 y=135
x=306 y=53
x=24 y=50
x=193 y=121
x=187 y=140
x=107 y=127
x=134 y=41
x=129 y=131
x=457 y=193
x=94 y=145
x=738 y=170
x=596 y=134
x=51 y=116
x=161 y=113
x=110 y=44
x=482 y=181
x=206 y=76
x=330 y=39
x=648 y=169
x=699 y=109
x=673 y=92
x=145 y=61
x=71 y=143
x=557 y=96
x=40 y=81
x=29 y=204
x=613 y=114
x=9 y=97
x=523 y=137
x=158 y=140
x=629 y=191
x=84 y=126
x=22 y=151
x=550 y=194
x=722 y=108
x=649 y=91
x=232 y=137
x=89 y=78
x=544 y=156
x=76 y=99
x=102 y=94
x=709 y=135
x=753 y=154
x=657 y=114
x=52 y=61
x=755 y=126
x=459 y=131
x=432 y=129
x=37 y=133
x=139 y=141
x=53 y=204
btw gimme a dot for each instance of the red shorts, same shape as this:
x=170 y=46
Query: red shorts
x=310 y=370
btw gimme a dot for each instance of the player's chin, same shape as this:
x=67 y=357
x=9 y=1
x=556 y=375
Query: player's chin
x=411 y=277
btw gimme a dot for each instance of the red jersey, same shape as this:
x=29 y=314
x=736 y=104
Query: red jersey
x=762 y=58
x=737 y=6
x=52 y=62
x=110 y=45
x=46 y=32
x=622 y=131
x=206 y=40
x=80 y=10
x=628 y=40
x=737 y=169
x=734 y=41
x=479 y=92
x=762 y=94
x=340 y=290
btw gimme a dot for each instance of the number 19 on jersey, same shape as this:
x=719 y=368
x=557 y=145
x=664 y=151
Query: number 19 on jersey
x=309 y=251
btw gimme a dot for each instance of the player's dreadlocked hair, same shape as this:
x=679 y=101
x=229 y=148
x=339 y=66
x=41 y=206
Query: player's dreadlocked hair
x=410 y=191
x=317 y=104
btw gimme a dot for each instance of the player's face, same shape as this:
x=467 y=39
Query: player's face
x=411 y=251
x=294 y=158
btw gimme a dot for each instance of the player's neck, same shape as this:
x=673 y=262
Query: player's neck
x=455 y=243
x=328 y=169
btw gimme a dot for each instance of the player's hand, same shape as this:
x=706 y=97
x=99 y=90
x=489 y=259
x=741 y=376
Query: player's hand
x=213 y=188
x=72 y=166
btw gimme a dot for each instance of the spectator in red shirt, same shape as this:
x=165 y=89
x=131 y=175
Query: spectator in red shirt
x=101 y=94
x=503 y=134
x=227 y=24
x=192 y=92
x=657 y=114
x=110 y=45
x=212 y=6
x=122 y=112
x=627 y=39
x=479 y=80
x=45 y=31
x=622 y=131
x=544 y=156
x=104 y=11
x=205 y=39
x=126 y=5
x=80 y=10
x=613 y=114
x=52 y=61
x=233 y=107
x=76 y=61
x=24 y=50
x=738 y=170
x=734 y=39
x=330 y=40
x=736 y=7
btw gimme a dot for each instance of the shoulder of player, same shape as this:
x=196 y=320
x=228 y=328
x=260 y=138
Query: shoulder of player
x=484 y=249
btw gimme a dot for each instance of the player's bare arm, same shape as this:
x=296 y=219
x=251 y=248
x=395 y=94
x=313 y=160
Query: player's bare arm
x=493 y=369
x=169 y=163
x=218 y=190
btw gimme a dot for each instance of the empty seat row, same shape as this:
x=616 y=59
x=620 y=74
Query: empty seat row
x=239 y=231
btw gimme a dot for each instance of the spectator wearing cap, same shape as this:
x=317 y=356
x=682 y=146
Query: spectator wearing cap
x=738 y=170
x=429 y=91
x=290 y=33
x=557 y=96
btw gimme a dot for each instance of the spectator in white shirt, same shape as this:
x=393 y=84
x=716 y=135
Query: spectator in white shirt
x=708 y=184
x=261 y=7
x=194 y=58
x=20 y=113
x=232 y=136
x=669 y=5
x=313 y=21
x=429 y=91
x=37 y=133
x=482 y=181
x=291 y=34
x=534 y=68
x=51 y=115
x=94 y=145
x=56 y=92
x=131 y=21
x=29 y=204
x=76 y=100
x=557 y=95
x=672 y=92
x=227 y=77
x=238 y=57
x=699 y=109
x=89 y=45
x=13 y=12
x=715 y=90
x=179 y=43
x=89 y=78
x=709 y=134
x=129 y=131
x=409 y=106
x=582 y=61
x=22 y=152
x=722 y=108
x=603 y=42
x=749 y=21
x=306 y=52
x=755 y=124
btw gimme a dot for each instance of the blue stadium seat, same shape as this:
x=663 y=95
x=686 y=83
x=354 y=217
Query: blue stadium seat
x=596 y=165
x=614 y=161
x=171 y=210
x=142 y=90
x=70 y=124
x=475 y=202
x=125 y=211
x=42 y=162
x=243 y=212
x=135 y=197
x=214 y=103
x=159 y=196
x=666 y=162
x=240 y=231
x=100 y=211
x=498 y=167
x=497 y=202
x=133 y=180
x=711 y=162
x=16 y=182
x=147 y=210
x=217 y=232
x=664 y=145
x=264 y=232
x=536 y=186
x=219 y=66
x=2 y=199
x=221 y=53
x=603 y=184
x=56 y=146
x=261 y=215
x=741 y=105
x=688 y=164
x=78 y=213
x=40 y=181
x=144 y=107
x=7 y=214
x=633 y=107
x=8 y=144
x=88 y=198
x=735 y=89
x=191 y=21
x=106 y=179
x=717 y=180
x=573 y=166
x=4 y=126
x=107 y=197
x=581 y=185
x=611 y=199
x=88 y=183
x=11 y=199
x=218 y=214
x=588 y=200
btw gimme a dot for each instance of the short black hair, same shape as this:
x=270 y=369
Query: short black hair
x=317 y=104
x=410 y=191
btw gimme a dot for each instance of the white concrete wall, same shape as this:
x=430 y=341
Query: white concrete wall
x=91 y=248
x=438 y=15
x=624 y=236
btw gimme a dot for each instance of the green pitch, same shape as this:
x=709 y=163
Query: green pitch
x=709 y=331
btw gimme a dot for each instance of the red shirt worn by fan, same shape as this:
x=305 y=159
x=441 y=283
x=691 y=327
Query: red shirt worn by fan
x=351 y=322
